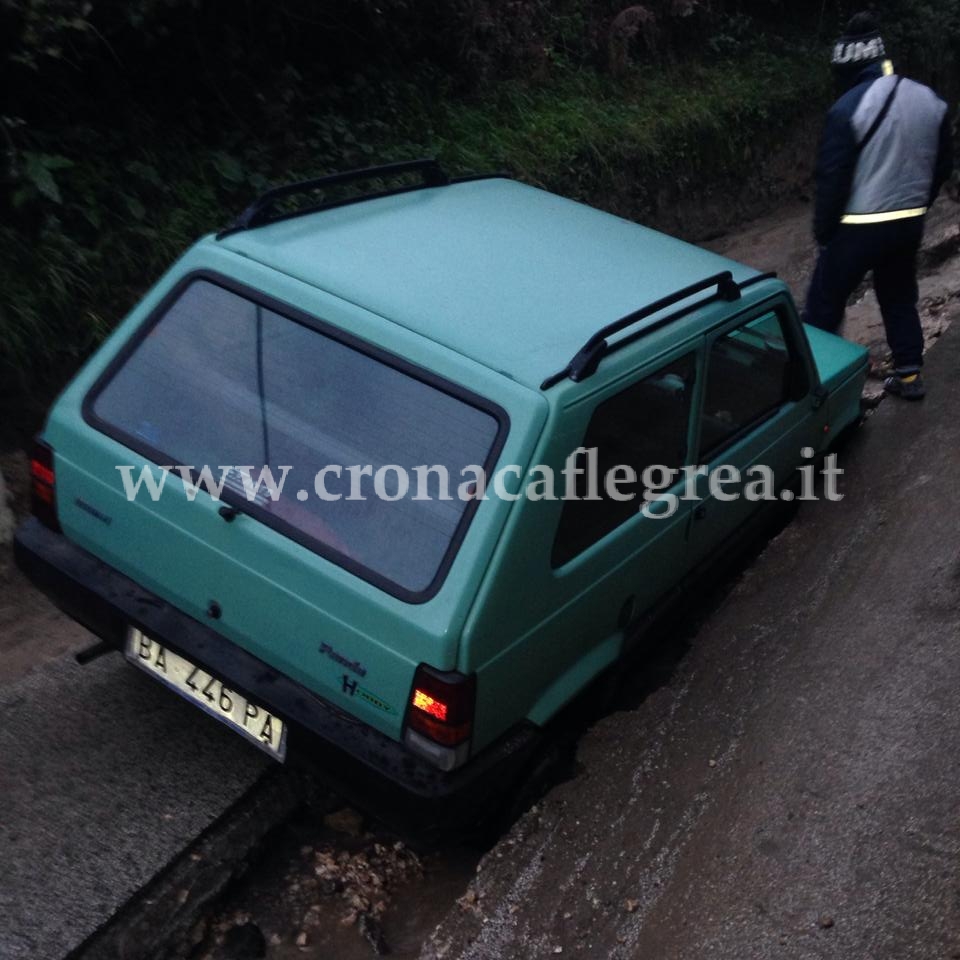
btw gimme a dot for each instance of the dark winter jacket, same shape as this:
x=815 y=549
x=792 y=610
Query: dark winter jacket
x=900 y=170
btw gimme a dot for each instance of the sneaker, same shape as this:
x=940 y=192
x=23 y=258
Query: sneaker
x=907 y=388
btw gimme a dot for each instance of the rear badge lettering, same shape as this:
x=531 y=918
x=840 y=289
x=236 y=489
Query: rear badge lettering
x=353 y=665
x=353 y=689
x=374 y=700
x=93 y=511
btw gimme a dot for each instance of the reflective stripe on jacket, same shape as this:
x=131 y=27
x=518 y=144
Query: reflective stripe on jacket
x=899 y=172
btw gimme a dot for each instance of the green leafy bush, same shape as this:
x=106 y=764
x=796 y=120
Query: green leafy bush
x=129 y=128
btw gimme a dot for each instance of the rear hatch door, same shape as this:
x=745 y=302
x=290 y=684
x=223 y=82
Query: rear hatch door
x=344 y=585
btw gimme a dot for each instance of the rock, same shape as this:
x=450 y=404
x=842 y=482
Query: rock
x=244 y=942
x=825 y=921
x=6 y=515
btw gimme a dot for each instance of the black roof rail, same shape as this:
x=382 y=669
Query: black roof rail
x=585 y=362
x=257 y=214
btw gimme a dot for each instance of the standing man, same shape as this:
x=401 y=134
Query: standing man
x=885 y=152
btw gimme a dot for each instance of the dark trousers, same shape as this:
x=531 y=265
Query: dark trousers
x=890 y=251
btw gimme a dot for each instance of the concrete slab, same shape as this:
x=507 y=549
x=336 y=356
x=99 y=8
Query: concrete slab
x=105 y=777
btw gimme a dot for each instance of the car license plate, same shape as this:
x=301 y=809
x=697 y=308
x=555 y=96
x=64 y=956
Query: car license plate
x=255 y=723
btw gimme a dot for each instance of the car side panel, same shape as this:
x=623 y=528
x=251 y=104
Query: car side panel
x=538 y=635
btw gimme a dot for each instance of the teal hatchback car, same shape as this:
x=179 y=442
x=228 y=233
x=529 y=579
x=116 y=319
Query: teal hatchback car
x=389 y=481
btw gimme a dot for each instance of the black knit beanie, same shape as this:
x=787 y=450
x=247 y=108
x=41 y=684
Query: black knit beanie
x=860 y=45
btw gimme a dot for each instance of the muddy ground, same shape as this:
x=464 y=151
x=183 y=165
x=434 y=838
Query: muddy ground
x=339 y=886
x=782 y=242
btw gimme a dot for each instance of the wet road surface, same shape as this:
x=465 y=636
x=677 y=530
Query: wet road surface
x=793 y=790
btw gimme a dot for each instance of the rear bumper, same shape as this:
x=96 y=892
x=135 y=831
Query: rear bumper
x=353 y=758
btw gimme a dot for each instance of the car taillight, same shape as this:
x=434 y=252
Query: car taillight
x=440 y=716
x=43 y=486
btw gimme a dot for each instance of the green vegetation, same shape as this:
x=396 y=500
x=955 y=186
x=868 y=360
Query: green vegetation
x=675 y=122
x=131 y=129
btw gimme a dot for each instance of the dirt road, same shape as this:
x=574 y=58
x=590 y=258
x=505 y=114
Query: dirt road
x=782 y=242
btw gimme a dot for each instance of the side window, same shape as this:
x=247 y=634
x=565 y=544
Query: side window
x=644 y=425
x=750 y=374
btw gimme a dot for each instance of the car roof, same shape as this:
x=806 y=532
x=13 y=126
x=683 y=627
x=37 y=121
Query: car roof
x=511 y=276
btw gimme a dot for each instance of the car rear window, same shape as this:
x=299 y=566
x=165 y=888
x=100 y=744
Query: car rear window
x=219 y=378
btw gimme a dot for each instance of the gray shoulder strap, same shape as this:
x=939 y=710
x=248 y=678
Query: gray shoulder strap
x=880 y=117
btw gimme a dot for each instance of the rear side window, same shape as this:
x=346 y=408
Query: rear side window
x=221 y=379
x=644 y=425
x=750 y=375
